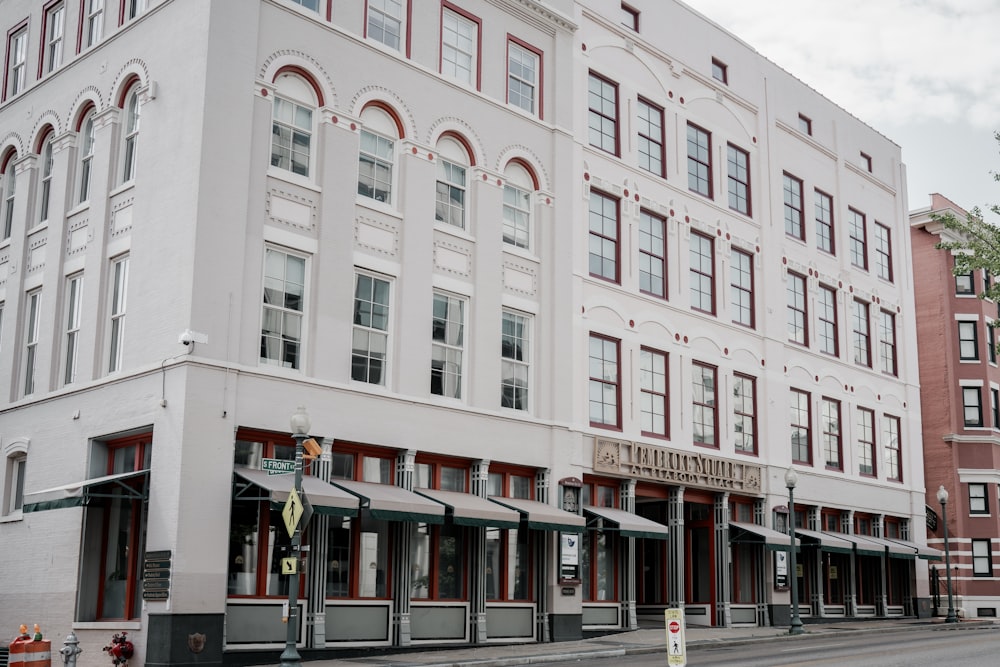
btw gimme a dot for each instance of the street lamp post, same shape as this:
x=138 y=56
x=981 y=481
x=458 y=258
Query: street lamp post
x=290 y=656
x=942 y=496
x=791 y=479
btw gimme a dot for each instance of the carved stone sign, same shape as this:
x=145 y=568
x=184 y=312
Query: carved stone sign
x=659 y=464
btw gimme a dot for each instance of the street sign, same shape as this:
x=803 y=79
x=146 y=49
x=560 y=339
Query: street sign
x=155 y=595
x=292 y=512
x=289 y=565
x=156 y=584
x=277 y=466
x=676 y=645
x=156 y=565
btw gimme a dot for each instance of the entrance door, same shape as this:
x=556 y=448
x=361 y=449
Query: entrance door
x=700 y=557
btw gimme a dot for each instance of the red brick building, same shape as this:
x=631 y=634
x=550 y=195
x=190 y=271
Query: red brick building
x=960 y=399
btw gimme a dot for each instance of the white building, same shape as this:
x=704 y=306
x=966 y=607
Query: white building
x=376 y=210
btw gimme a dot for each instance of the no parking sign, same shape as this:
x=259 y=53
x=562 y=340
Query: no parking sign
x=673 y=619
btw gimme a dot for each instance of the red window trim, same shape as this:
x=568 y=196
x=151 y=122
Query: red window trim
x=665 y=396
x=711 y=177
x=805 y=307
x=714 y=405
x=801 y=236
x=618 y=238
x=663 y=221
x=662 y=139
x=617 y=426
x=753 y=416
x=634 y=13
x=479 y=38
x=541 y=72
x=833 y=218
x=749 y=186
x=618 y=113
x=711 y=243
x=723 y=67
x=839 y=435
x=808 y=428
x=752 y=290
x=23 y=25
x=46 y=10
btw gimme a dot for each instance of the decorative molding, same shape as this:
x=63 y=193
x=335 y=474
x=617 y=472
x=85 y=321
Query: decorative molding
x=377 y=236
x=282 y=213
x=310 y=64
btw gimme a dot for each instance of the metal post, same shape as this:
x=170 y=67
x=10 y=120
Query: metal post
x=942 y=496
x=290 y=656
x=791 y=479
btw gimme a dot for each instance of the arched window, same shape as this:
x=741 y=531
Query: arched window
x=45 y=175
x=377 y=156
x=86 y=154
x=131 y=133
x=517 y=189
x=292 y=124
x=453 y=161
x=8 y=185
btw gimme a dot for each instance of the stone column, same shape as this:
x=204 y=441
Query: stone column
x=628 y=574
x=675 y=549
x=477 y=558
x=402 y=532
x=723 y=563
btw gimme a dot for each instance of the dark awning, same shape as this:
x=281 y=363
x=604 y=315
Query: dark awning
x=468 y=510
x=81 y=493
x=894 y=549
x=831 y=542
x=627 y=523
x=393 y=503
x=862 y=545
x=325 y=498
x=751 y=532
x=921 y=550
x=542 y=516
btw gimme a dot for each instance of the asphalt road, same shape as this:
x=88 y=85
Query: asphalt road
x=978 y=647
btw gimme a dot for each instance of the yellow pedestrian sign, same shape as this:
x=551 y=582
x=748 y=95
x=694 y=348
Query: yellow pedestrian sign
x=292 y=512
x=676 y=647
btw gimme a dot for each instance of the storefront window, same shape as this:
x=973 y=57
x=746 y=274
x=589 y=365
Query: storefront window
x=256 y=546
x=507 y=550
x=597 y=548
x=438 y=574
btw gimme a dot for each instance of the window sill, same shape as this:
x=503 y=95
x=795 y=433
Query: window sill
x=107 y=625
x=452 y=230
x=522 y=253
x=79 y=208
x=13 y=517
x=40 y=227
x=294 y=179
x=124 y=187
x=376 y=205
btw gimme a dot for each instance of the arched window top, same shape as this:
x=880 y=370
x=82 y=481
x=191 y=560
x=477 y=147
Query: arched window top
x=520 y=174
x=85 y=112
x=129 y=91
x=16 y=447
x=44 y=135
x=295 y=83
x=382 y=118
x=7 y=160
x=454 y=148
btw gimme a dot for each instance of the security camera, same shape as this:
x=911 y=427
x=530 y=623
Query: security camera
x=186 y=337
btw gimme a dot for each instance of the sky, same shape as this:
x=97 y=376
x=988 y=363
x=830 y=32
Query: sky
x=924 y=73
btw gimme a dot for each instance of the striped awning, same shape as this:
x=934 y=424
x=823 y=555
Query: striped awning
x=393 y=503
x=325 y=498
x=626 y=523
x=465 y=509
x=831 y=542
x=770 y=538
x=542 y=516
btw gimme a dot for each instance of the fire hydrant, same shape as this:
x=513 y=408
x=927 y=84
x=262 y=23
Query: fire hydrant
x=71 y=649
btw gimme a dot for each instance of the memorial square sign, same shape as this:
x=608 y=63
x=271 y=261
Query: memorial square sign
x=659 y=464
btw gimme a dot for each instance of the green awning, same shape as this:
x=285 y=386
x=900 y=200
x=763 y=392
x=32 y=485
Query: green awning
x=831 y=542
x=122 y=485
x=894 y=549
x=466 y=509
x=754 y=534
x=626 y=523
x=921 y=550
x=862 y=545
x=325 y=498
x=542 y=516
x=393 y=503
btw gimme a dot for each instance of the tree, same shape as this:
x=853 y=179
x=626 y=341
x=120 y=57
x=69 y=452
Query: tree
x=979 y=247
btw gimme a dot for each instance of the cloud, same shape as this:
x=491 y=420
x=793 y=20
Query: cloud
x=886 y=61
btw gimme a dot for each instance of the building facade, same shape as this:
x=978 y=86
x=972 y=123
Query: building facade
x=958 y=368
x=522 y=263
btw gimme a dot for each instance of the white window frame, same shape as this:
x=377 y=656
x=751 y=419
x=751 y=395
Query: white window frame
x=18 y=55
x=93 y=21
x=32 y=316
x=654 y=392
x=55 y=34
x=134 y=8
x=9 y=190
x=118 y=301
x=448 y=349
x=283 y=310
x=459 y=47
x=45 y=178
x=515 y=360
x=523 y=68
x=15 y=467
x=968 y=340
x=366 y=329
x=381 y=156
x=130 y=133
x=293 y=124
x=383 y=14
x=86 y=157
x=450 y=193
x=979 y=501
x=74 y=300
x=979 y=558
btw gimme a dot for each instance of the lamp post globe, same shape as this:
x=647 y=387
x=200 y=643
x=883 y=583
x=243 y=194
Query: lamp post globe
x=791 y=479
x=942 y=496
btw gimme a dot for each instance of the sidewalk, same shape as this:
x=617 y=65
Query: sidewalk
x=642 y=641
